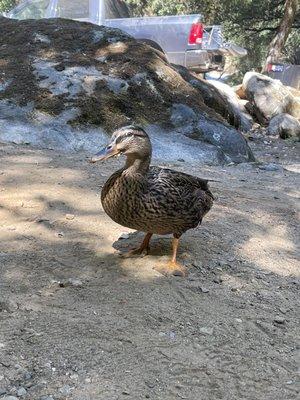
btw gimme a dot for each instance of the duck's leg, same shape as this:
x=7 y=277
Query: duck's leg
x=173 y=267
x=143 y=250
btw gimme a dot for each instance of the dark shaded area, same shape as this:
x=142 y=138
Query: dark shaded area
x=210 y=96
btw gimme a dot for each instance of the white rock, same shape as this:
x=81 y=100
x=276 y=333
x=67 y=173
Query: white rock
x=21 y=392
x=70 y=216
x=206 y=331
x=285 y=126
x=270 y=96
x=124 y=236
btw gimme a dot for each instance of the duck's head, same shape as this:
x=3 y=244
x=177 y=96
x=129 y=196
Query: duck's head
x=131 y=141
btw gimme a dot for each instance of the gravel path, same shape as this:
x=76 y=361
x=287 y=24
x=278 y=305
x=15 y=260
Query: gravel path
x=78 y=322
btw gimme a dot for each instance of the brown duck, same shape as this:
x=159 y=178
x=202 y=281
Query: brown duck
x=151 y=199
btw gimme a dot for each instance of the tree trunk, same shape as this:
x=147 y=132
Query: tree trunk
x=277 y=44
x=116 y=9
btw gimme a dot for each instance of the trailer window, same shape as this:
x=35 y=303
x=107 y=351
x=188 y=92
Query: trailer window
x=34 y=9
x=74 y=9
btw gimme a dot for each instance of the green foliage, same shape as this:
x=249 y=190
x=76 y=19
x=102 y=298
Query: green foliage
x=249 y=23
x=6 y=5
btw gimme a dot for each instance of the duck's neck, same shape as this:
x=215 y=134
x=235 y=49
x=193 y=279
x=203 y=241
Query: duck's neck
x=137 y=165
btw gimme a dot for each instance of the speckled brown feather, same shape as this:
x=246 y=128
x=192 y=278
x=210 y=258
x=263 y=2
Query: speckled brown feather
x=162 y=201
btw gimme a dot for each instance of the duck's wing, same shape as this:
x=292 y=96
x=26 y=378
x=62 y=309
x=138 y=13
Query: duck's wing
x=171 y=178
x=186 y=192
x=179 y=200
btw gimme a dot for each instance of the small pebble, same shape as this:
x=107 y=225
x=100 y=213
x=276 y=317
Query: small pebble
x=218 y=280
x=41 y=220
x=27 y=376
x=124 y=236
x=8 y=305
x=283 y=310
x=74 y=282
x=172 y=335
x=224 y=264
x=204 y=290
x=150 y=384
x=65 y=390
x=69 y=282
x=70 y=216
x=270 y=167
x=279 y=320
x=46 y=398
x=206 y=331
x=21 y=392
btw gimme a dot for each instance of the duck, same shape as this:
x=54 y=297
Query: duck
x=151 y=199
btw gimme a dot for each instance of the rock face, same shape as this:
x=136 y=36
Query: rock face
x=285 y=126
x=211 y=96
x=67 y=84
x=269 y=96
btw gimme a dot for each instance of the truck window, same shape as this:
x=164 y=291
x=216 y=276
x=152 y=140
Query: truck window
x=34 y=9
x=75 y=9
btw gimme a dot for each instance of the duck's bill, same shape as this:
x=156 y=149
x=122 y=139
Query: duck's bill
x=104 y=154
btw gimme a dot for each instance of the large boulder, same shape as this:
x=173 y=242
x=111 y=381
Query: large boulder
x=285 y=126
x=245 y=119
x=68 y=84
x=211 y=96
x=269 y=96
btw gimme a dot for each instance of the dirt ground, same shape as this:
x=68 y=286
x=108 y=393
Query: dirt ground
x=79 y=322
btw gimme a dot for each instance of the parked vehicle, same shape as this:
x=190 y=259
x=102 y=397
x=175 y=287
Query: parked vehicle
x=288 y=74
x=184 y=39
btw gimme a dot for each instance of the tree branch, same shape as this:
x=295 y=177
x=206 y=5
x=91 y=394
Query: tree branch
x=259 y=30
x=277 y=44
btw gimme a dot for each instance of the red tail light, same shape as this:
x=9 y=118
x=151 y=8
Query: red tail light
x=196 y=33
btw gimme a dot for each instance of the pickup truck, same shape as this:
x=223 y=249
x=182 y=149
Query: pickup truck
x=184 y=39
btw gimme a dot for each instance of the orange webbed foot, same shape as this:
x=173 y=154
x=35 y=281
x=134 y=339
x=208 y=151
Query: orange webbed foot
x=172 y=268
x=142 y=251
